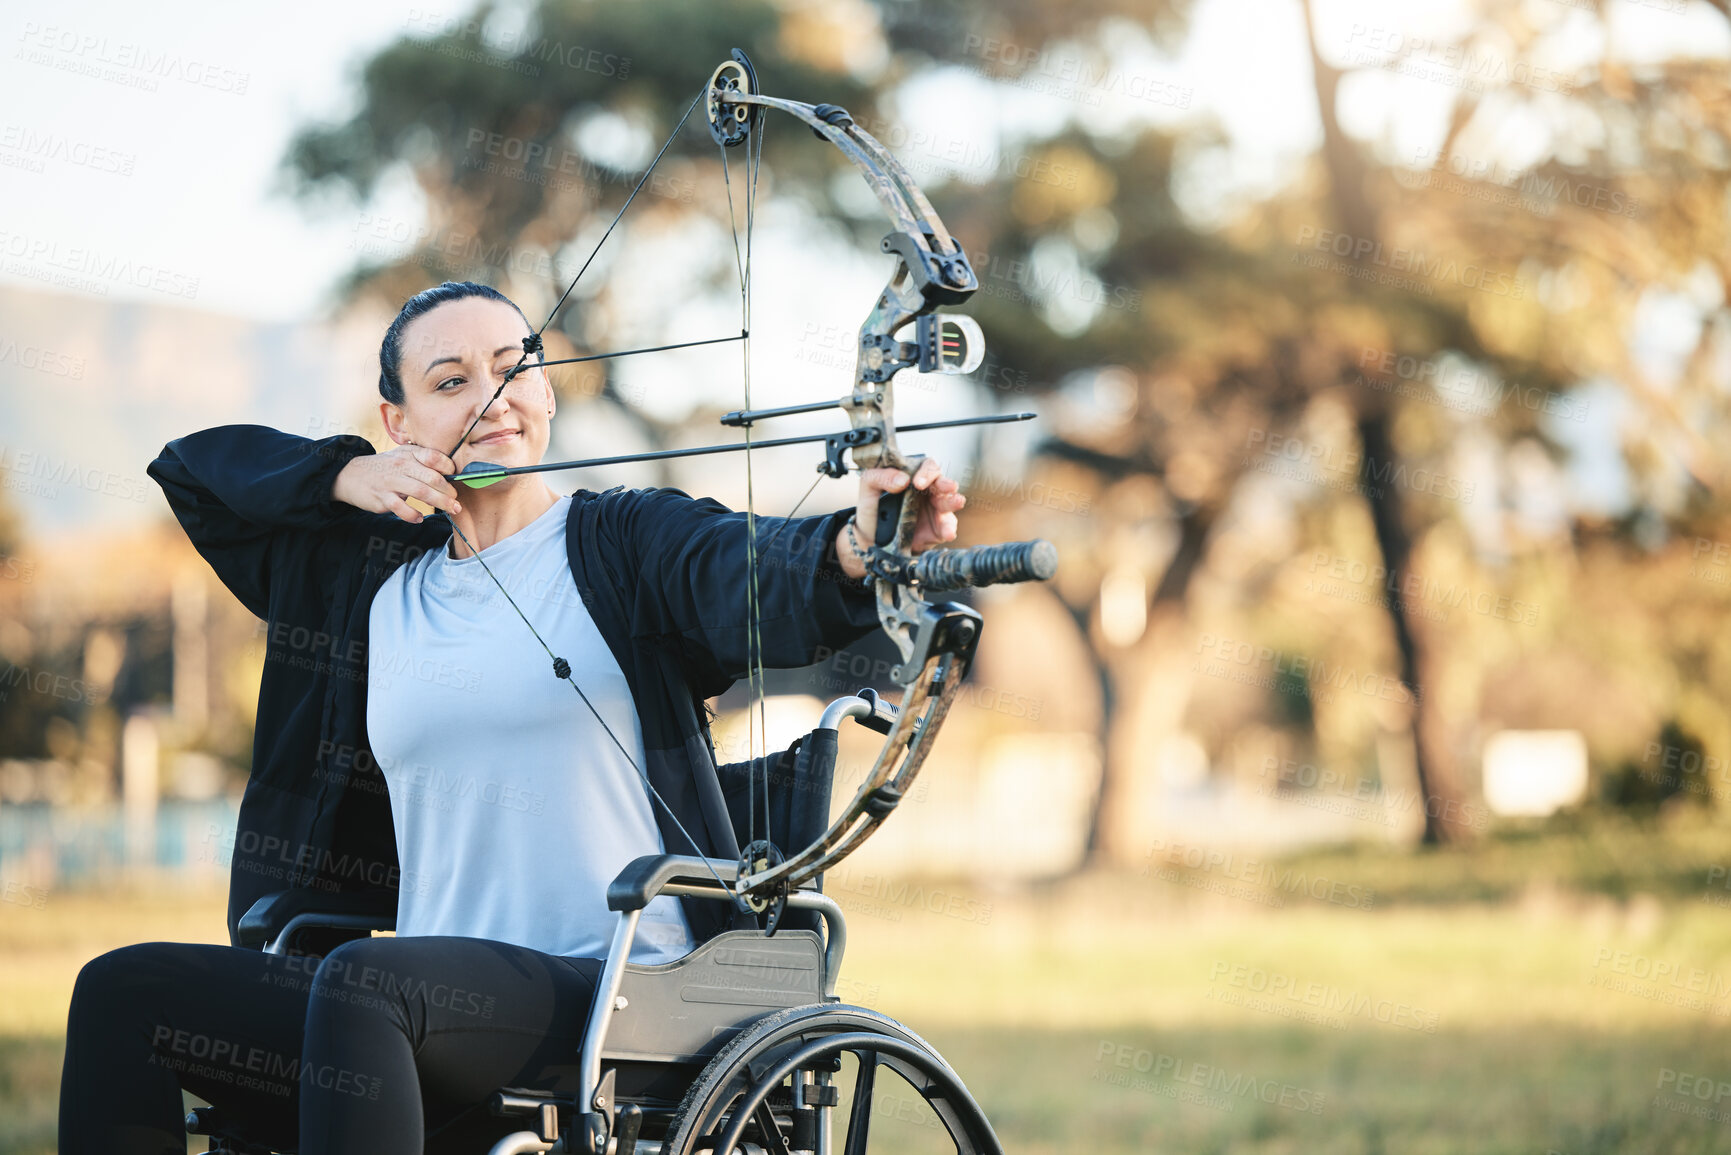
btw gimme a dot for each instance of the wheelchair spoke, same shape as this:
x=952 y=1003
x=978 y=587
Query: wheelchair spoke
x=859 y=1120
x=771 y=1133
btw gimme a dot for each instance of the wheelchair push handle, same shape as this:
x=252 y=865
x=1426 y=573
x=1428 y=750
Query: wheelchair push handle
x=868 y=707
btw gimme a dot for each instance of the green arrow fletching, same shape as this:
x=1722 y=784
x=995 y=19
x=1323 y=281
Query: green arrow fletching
x=479 y=475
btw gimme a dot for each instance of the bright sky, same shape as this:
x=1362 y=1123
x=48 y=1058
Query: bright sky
x=163 y=125
x=158 y=129
x=195 y=208
x=193 y=104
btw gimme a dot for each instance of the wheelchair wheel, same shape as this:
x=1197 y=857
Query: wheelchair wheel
x=773 y=1086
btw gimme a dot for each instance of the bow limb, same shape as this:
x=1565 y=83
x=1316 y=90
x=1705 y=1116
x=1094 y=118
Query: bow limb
x=935 y=642
x=918 y=719
x=902 y=199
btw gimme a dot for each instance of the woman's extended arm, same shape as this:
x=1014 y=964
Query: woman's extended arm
x=694 y=583
x=808 y=593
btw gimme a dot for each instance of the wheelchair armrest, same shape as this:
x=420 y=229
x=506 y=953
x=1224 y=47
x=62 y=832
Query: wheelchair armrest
x=270 y=914
x=644 y=878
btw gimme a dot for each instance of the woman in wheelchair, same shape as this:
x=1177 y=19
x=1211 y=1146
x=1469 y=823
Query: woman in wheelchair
x=409 y=737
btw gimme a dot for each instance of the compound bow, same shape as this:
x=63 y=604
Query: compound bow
x=935 y=641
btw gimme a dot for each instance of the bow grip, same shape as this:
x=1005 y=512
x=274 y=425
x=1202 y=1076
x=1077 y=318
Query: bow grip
x=890 y=506
x=889 y=517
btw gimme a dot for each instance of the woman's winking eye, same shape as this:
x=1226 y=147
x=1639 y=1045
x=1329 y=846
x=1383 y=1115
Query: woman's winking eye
x=500 y=370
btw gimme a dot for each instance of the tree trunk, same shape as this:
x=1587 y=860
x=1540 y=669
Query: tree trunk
x=1432 y=754
x=1142 y=694
x=1432 y=758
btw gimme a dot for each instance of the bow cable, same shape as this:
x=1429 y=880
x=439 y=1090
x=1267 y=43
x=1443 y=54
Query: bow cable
x=532 y=344
x=511 y=373
x=755 y=723
x=940 y=274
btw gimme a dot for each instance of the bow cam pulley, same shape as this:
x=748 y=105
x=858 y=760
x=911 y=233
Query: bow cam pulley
x=731 y=122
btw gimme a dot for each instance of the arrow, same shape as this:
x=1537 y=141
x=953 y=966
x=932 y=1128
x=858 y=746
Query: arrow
x=480 y=474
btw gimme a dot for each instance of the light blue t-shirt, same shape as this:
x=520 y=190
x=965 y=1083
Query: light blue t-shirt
x=514 y=808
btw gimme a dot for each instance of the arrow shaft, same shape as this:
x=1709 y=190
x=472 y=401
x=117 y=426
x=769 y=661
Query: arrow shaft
x=707 y=450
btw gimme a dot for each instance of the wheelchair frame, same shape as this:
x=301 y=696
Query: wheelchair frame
x=747 y=1010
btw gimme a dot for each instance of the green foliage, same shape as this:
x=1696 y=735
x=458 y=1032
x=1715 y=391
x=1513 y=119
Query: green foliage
x=423 y=95
x=1643 y=787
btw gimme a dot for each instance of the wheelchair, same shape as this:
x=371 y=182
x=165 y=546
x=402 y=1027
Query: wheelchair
x=735 y=1049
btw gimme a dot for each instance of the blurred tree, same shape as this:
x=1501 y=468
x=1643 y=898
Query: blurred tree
x=1538 y=276
x=1173 y=353
x=1591 y=237
x=527 y=129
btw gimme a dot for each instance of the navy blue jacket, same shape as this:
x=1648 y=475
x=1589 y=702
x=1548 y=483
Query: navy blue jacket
x=662 y=574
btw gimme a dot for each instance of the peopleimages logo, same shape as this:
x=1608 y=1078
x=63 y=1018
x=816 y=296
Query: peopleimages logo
x=244 y=1064
x=1165 y=860
x=38 y=147
x=1367 y=250
x=42 y=360
x=1361 y=798
x=1227 y=1086
x=1216 y=655
x=1021 y=280
x=1493 y=182
x=1661 y=980
x=1073 y=77
x=89 y=269
x=20 y=894
x=1344 y=469
x=1262 y=990
x=303 y=863
x=41 y=474
x=1412 y=588
x=889 y=894
x=49 y=684
x=1465 y=389
x=135 y=65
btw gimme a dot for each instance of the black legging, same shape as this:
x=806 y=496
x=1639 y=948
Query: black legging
x=385 y=1045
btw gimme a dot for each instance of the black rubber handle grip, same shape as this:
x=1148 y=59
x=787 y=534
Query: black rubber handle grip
x=985 y=565
x=889 y=517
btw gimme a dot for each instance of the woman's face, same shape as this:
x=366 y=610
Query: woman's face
x=453 y=358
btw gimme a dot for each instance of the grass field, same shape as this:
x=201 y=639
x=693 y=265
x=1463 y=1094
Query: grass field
x=1507 y=1001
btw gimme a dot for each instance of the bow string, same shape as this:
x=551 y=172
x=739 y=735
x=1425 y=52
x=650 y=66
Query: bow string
x=935 y=641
